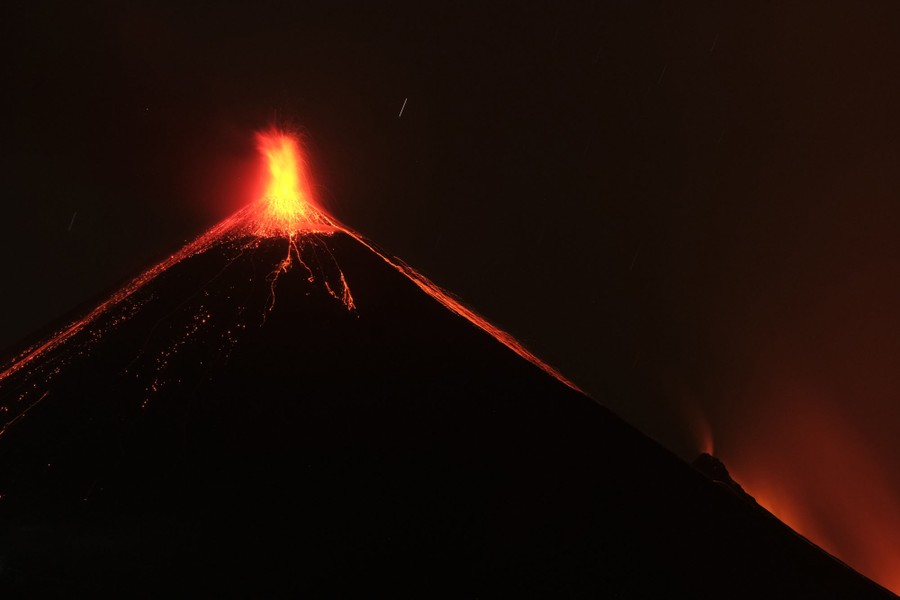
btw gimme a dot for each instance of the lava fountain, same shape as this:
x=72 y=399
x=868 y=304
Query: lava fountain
x=288 y=209
x=284 y=209
x=287 y=206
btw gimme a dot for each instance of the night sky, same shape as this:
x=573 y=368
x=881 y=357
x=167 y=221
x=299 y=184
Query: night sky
x=693 y=211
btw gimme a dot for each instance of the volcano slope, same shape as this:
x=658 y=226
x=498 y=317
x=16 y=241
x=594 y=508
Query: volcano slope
x=194 y=437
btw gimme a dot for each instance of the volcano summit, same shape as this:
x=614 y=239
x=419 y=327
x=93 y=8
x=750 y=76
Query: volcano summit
x=280 y=407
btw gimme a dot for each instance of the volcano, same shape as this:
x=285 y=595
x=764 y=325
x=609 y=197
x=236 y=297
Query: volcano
x=282 y=407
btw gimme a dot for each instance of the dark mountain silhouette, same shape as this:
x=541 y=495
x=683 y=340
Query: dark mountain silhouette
x=715 y=469
x=190 y=441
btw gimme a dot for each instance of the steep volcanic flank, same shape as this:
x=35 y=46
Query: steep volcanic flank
x=191 y=436
x=274 y=411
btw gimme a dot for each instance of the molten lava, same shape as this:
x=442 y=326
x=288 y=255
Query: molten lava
x=287 y=206
x=285 y=209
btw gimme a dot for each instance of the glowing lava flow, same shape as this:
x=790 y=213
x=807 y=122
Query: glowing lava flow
x=448 y=301
x=286 y=210
x=232 y=226
x=291 y=210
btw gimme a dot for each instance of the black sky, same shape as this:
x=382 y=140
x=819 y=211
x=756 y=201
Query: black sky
x=680 y=205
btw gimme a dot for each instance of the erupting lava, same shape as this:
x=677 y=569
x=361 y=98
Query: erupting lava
x=287 y=206
x=182 y=327
x=286 y=210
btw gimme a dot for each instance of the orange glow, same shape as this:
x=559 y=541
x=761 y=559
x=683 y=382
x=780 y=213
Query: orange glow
x=227 y=229
x=288 y=205
x=697 y=423
x=285 y=209
x=289 y=209
x=448 y=301
x=809 y=467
